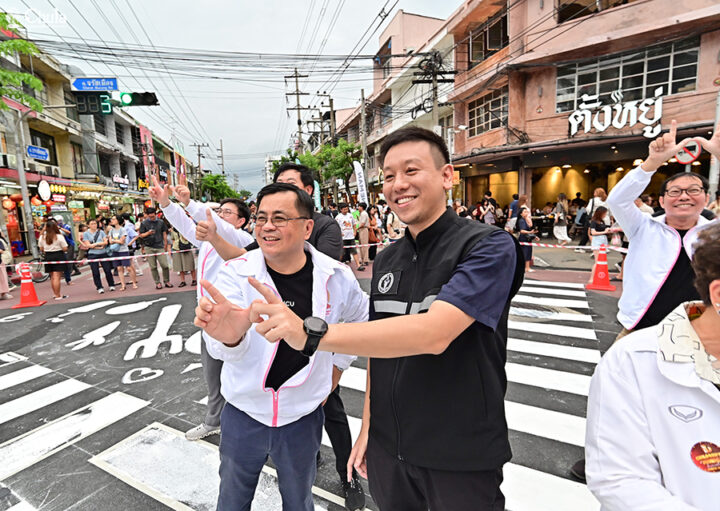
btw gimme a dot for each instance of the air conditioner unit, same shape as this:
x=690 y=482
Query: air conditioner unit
x=55 y=171
x=4 y=160
x=33 y=167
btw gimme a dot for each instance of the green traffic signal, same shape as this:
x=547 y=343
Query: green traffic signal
x=138 y=99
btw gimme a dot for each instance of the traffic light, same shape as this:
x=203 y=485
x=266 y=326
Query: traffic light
x=138 y=99
x=93 y=103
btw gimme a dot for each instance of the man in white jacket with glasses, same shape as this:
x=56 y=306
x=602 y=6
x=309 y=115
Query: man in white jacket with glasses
x=274 y=393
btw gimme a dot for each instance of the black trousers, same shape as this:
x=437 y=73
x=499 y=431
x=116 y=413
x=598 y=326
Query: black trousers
x=584 y=236
x=338 y=429
x=107 y=269
x=397 y=485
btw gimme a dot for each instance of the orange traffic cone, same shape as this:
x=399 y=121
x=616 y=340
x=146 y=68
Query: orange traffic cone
x=28 y=297
x=601 y=277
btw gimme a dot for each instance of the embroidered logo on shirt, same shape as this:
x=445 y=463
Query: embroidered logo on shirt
x=385 y=283
x=685 y=413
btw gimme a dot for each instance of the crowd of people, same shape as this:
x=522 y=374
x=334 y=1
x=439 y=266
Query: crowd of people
x=283 y=317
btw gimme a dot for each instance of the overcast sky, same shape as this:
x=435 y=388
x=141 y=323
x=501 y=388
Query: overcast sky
x=249 y=117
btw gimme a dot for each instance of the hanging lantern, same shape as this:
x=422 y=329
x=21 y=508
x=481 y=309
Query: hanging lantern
x=17 y=197
x=9 y=204
x=35 y=201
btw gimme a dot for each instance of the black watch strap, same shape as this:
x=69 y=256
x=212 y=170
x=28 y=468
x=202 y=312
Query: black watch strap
x=315 y=328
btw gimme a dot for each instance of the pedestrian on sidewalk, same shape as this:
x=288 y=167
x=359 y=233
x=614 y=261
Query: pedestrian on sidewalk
x=53 y=246
x=560 y=223
x=133 y=241
x=527 y=233
x=183 y=259
x=66 y=231
x=94 y=241
x=363 y=233
x=653 y=409
x=117 y=237
x=275 y=409
x=5 y=258
x=230 y=218
x=598 y=200
x=349 y=230
x=425 y=443
x=153 y=233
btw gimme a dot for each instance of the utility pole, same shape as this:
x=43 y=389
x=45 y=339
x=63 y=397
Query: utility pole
x=431 y=72
x=198 y=171
x=299 y=108
x=222 y=158
x=363 y=128
x=714 y=176
x=332 y=113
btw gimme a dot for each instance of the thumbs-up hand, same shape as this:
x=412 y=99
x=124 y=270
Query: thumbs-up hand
x=220 y=318
x=206 y=230
x=281 y=322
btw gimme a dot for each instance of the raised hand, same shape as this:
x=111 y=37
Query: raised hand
x=206 y=230
x=663 y=148
x=712 y=145
x=182 y=193
x=159 y=193
x=220 y=318
x=281 y=324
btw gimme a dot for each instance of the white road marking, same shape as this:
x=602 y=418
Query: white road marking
x=552 y=302
x=569 y=285
x=9 y=358
x=22 y=376
x=547 y=349
x=562 y=427
x=354 y=378
x=527 y=489
x=22 y=506
x=548 y=378
x=553 y=329
x=39 y=399
x=36 y=445
x=552 y=291
x=551 y=315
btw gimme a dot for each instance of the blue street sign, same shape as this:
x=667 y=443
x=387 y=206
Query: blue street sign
x=94 y=84
x=39 y=153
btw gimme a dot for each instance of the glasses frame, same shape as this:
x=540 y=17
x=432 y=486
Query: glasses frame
x=680 y=191
x=264 y=222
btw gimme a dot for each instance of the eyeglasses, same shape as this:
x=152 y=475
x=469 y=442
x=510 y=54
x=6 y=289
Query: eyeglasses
x=277 y=220
x=224 y=212
x=693 y=191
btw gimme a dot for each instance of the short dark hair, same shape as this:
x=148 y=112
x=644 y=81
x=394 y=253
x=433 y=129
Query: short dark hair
x=515 y=196
x=705 y=261
x=343 y=205
x=415 y=134
x=703 y=180
x=333 y=205
x=488 y=193
x=243 y=210
x=303 y=201
x=150 y=211
x=362 y=205
x=306 y=174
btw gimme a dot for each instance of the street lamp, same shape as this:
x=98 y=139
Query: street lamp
x=19 y=150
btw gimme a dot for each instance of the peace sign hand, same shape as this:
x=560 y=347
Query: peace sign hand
x=281 y=322
x=663 y=148
x=712 y=145
x=220 y=318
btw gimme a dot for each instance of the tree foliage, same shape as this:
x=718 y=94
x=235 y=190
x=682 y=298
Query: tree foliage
x=219 y=189
x=12 y=82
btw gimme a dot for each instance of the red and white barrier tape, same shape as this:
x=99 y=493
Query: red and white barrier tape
x=550 y=245
x=120 y=258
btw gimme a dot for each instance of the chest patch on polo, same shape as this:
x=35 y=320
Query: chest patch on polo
x=388 y=283
x=706 y=456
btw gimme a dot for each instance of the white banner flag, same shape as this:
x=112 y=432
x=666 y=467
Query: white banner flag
x=361 y=185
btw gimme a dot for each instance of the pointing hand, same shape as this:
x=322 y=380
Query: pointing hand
x=159 y=193
x=219 y=317
x=281 y=322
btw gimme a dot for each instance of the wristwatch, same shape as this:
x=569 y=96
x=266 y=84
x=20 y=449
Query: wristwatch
x=315 y=328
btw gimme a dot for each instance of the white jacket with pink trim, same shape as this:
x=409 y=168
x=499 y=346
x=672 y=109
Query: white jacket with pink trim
x=654 y=247
x=336 y=297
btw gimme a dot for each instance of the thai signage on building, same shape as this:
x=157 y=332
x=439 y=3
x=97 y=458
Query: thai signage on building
x=122 y=182
x=592 y=114
x=142 y=184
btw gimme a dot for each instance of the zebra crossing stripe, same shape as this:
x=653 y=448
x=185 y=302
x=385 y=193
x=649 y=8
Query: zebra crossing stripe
x=552 y=315
x=21 y=506
x=552 y=291
x=547 y=349
x=9 y=357
x=541 y=422
x=529 y=489
x=549 y=283
x=553 y=329
x=22 y=376
x=551 y=302
x=36 y=445
x=548 y=378
x=40 y=399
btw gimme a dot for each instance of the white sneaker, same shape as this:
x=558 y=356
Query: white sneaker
x=201 y=431
x=101 y=291
x=112 y=288
x=6 y=296
x=140 y=273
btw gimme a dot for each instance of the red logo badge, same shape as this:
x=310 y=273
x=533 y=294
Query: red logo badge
x=706 y=455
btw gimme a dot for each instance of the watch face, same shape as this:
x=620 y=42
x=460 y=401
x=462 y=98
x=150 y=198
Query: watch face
x=315 y=324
